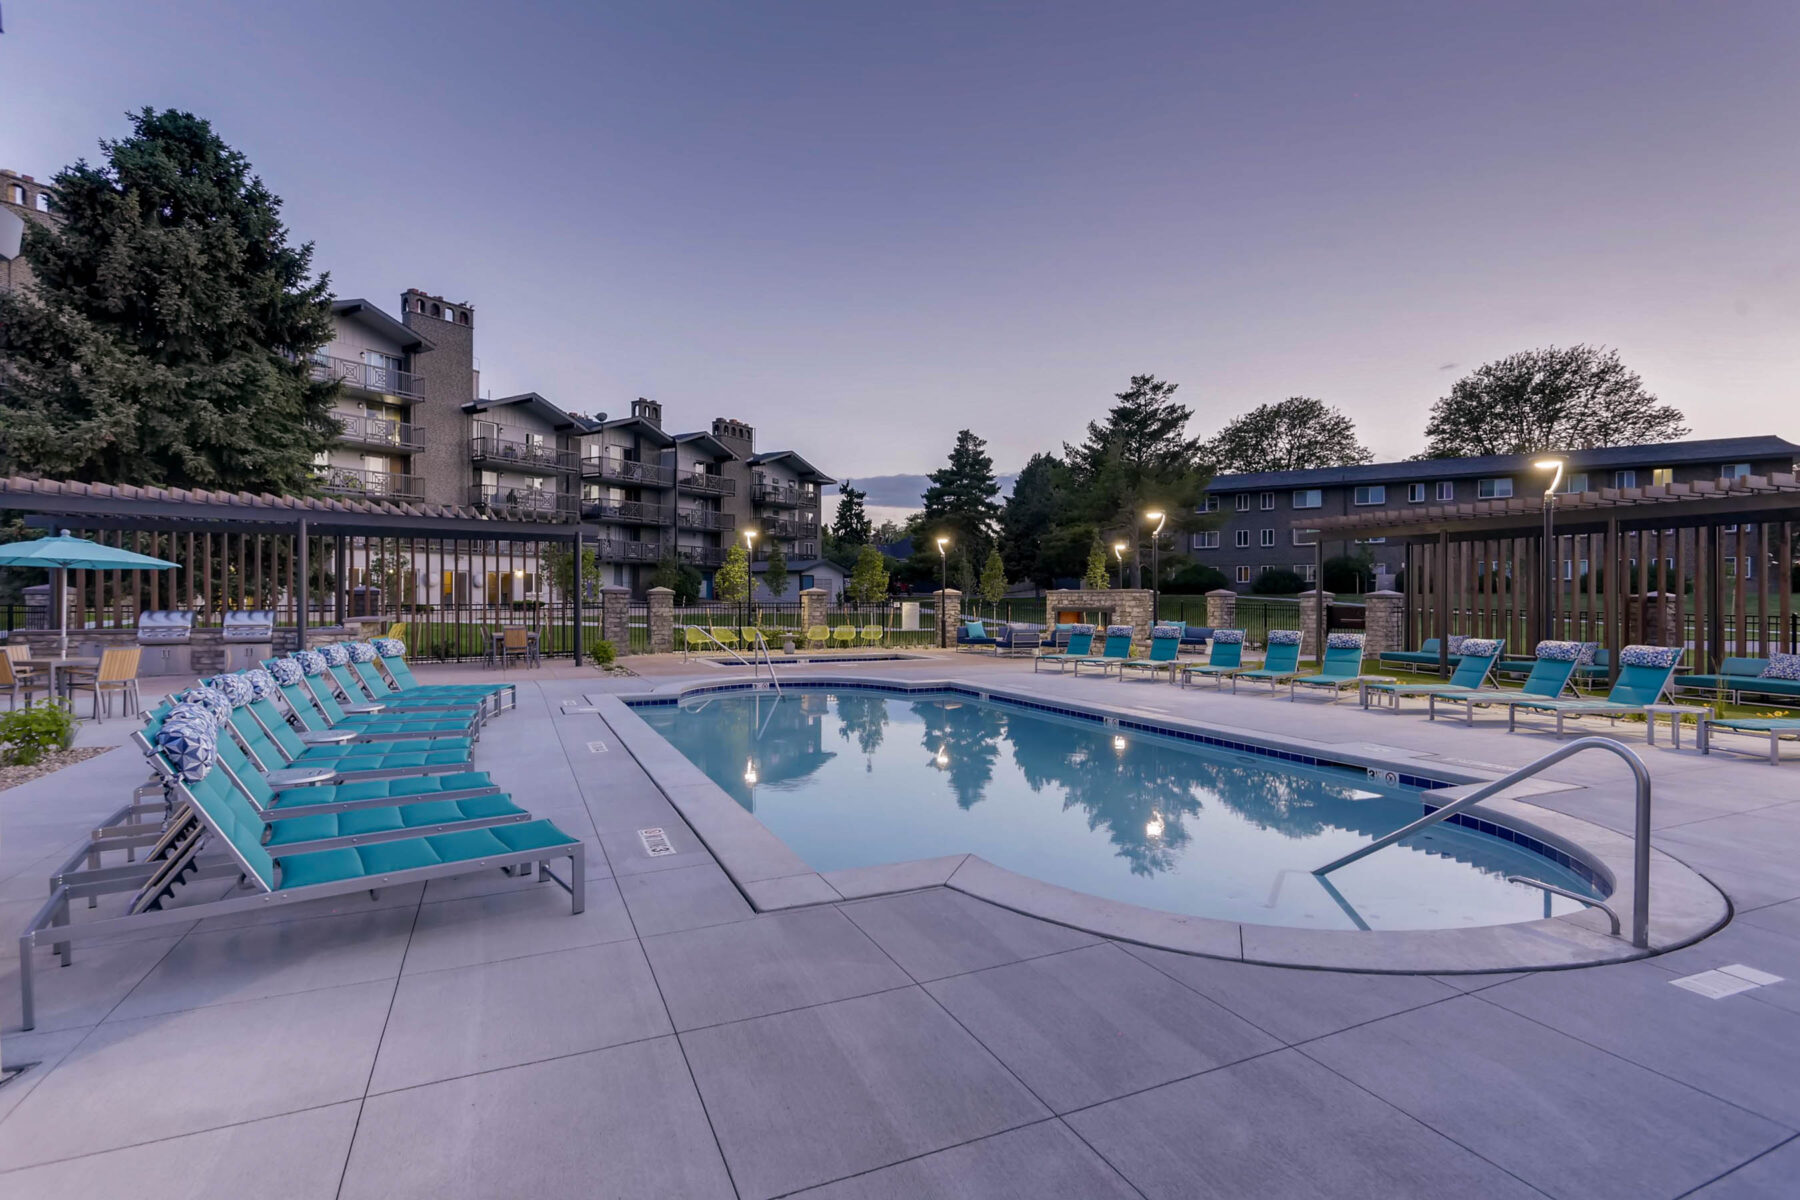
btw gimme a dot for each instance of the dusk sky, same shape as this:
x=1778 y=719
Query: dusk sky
x=862 y=227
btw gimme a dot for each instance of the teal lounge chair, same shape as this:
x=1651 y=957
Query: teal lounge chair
x=1081 y=643
x=1224 y=659
x=1775 y=728
x=321 y=718
x=1116 y=650
x=1281 y=661
x=1473 y=667
x=1552 y=674
x=390 y=656
x=1774 y=678
x=1425 y=656
x=1341 y=668
x=350 y=688
x=1165 y=644
x=277 y=747
x=1644 y=674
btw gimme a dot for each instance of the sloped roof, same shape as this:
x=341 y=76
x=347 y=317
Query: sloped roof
x=807 y=472
x=368 y=313
x=559 y=420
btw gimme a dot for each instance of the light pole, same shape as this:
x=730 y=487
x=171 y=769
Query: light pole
x=1551 y=557
x=749 y=579
x=1119 y=553
x=943 y=604
x=1160 y=518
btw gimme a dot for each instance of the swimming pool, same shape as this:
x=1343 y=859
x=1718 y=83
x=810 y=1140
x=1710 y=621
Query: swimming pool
x=856 y=778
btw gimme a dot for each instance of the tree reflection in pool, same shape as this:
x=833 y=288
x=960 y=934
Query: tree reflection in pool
x=859 y=778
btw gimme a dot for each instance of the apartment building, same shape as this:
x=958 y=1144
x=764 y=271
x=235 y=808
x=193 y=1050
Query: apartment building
x=23 y=200
x=1263 y=516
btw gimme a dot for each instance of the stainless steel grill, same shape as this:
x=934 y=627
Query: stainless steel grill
x=250 y=625
x=165 y=627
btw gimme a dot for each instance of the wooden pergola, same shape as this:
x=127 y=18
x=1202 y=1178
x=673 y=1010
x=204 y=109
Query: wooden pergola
x=1707 y=566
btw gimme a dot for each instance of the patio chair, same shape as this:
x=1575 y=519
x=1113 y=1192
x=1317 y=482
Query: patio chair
x=844 y=634
x=15 y=683
x=328 y=673
x=1080 y=643
x=724 y=635
x=1644 y=674
x=317 y=713
x=116 y=674
x=817 y=635
x=1017 y=637
x=1552 y=674
x=380 y=692
x=28 y=675
x=1281 y=661
x=390 y=657
x=1774 y=728
x=1473 y=668
x=972 y=635
x=693 y=638
x=1114 y=651
x=752 y=637
x=515 y=642
x=1341 y=667
x=1165 y=645
x=1776 y=677
x=277 y=747
x=870 y=635
x=1224 y=659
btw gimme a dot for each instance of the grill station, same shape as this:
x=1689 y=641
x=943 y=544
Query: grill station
x=166 y=636
x=248 y=637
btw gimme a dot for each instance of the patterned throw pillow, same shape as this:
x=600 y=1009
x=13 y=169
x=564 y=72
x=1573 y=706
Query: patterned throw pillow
x=214 y=702
x=234 y=688
x=1228 y=637
x=1560 y=651
x=360 y=652
x=1456 y=643
x=1081 y=629
x=1480 y=647
x=1165 y=632
x=262 y=684
x=1660 y=657
x=286 y=672
x=1343 y=641
x=389 y=647
x=189 y=739
x=334 y=654
x=1284 y=637
x=1588 y=650
x=1113 y=631
x=311 y=662
x=1782 y=666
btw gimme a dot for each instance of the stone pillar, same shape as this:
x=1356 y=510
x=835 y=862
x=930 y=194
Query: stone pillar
x=1312 y=611
x=812 y=609
x=662 y=619
x=615 y=621
x=949 y=615
x=1658 y=627
x=1221 y=608
x=1384 y=622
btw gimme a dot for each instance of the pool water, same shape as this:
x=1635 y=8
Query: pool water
x=858 y=778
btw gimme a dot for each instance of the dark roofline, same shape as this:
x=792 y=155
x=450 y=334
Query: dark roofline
x=1653 y=454
x=702 y=438
x=560 y=421
x=807 y=471
x=649 y=427
x=371 y=315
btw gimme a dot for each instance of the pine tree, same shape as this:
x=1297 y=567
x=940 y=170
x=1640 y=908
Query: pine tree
x=1096 y=575
x=960 y=500
x=775 y=575
x=167 y=337
x=1028 y=516
x=852 y=528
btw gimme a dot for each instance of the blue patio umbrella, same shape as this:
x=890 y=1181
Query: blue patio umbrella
x=69 y=553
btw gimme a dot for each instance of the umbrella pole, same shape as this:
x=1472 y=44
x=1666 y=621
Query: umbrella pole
x=62 y=612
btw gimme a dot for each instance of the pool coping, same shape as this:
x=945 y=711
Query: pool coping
x=1684 y=906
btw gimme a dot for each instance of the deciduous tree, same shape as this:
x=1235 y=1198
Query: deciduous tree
x=1543 y=401
x=1296 y=434
x=869 y=579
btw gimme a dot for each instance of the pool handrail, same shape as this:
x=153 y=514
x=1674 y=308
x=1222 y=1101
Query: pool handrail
x=1640 y=884
x=753 y=662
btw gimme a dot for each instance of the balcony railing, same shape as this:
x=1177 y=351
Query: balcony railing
x=703 y=556
x=704 y=518
x=529 y=504
x=376 y=431
x=370 y=378
x=792 y=551
x=624 y=550
x=627 y=512
x=770 y=493
x=783 y=527
x=369 y=485
x=708 y=484
x=515 y=455
x=626 y=470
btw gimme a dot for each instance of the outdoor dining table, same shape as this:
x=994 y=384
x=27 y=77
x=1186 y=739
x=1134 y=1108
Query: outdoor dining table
x=497 y=639
x=50 y=666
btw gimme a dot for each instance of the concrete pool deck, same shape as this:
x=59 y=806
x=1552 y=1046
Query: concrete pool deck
x=474 y=1039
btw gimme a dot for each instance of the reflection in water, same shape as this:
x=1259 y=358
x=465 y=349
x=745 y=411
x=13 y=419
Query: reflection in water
x=1156 y=822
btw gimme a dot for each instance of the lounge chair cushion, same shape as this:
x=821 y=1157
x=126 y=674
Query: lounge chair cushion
x=381 y=858
x=388 y=819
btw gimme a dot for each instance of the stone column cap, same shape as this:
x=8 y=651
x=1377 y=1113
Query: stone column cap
x=1222 y=592
x=1318 y=592
x=660 y=591
x=1385 y=592
x=947 y=592
x=814 y=591
x=615 y=589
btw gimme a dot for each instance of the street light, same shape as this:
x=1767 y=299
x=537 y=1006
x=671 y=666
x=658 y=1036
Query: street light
x=943 y=545
x=1119 y=553
x=749 y=553
x=1555 y=466
x=1161 y=518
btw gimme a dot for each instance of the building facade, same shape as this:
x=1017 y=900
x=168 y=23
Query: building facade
x=1262 y=517
x=23 y=197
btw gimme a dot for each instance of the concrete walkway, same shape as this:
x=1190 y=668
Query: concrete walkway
x=473 y=1039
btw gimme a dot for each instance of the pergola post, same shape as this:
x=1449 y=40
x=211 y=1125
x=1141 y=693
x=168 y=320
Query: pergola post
x=343 y=577
x=1443 y=602
x=304 y=558
x=575 y=601
x=1614 y=599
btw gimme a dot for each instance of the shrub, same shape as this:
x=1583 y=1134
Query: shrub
x=1278 y=581
x=1345 y=574
x=1196 y=579
x=26 y=734
x=604 y=653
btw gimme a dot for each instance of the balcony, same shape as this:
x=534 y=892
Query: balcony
x=625 y=470
x=627 y=512
x=378 y=432
x=367 y=377
x=623 y=550
x=539 y=458
x=784 y=527
x=777 y=495
x=792 y=552
x=707 y=485
x=359 y=484
x=524 y=504
x=704 y=518
x=702 y=556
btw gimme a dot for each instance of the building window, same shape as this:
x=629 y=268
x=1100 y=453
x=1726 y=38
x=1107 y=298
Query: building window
x=418 y=306
x=1579 y=483
x=1243 y=539
x=1495 y=489
x=1623 y=479
x=806 y=581
x=1207 y=540
x=1415 y=493
x=1211 y=504
x=1268 y=537
x=462 y=318
x=1446 y=491
x=1308 y=498
x=1268 y=501
x=1243 y=502
x=1306 y=537
x=1371 y=541
x=1375 y=493
x=1243 y=574
x=1734 y=471
x=436 y=311
x=15 y=194
x=1662 y=476
x=43 y=202
x=1306 y=571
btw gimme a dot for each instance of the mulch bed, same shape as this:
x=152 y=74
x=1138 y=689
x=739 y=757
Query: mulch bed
x=56 y=760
